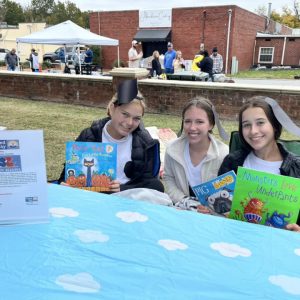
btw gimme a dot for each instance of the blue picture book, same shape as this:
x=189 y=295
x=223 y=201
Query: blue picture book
x=217 y=193
x=90 y=166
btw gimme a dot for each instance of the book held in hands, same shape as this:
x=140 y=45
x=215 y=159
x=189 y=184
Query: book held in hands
x=217 y=193
x=265 y=198
x=90 y=166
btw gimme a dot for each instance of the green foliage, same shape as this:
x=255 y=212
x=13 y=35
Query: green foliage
x=46 y=65
x=287 y=17
x=64 y=122
x=42 y=11
x=61 y=123
x=121 y=64
x=97 y=58
x=25 y=65
x=12 y=12
x=269 y=74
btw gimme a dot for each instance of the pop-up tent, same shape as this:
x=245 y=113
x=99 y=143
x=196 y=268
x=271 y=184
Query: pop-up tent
x=68 y=33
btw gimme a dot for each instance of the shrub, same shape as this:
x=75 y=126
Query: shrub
x=121 y=63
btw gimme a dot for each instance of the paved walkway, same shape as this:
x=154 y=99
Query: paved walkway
x=275 y=82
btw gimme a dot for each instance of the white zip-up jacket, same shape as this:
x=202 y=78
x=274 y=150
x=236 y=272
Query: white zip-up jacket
x=175 y=180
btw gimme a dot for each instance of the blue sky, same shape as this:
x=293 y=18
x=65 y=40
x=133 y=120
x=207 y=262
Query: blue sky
x=108 y=5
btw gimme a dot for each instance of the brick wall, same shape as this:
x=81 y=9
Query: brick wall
x=190 y=27
x=166 y=97
x=292 y=50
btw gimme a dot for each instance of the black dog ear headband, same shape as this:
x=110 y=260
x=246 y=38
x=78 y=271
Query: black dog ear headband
x=127 y=91
x=282 y=117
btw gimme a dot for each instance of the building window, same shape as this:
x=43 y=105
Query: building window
x=266 y=55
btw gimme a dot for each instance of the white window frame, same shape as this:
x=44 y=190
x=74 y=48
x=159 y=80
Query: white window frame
x=259 y=54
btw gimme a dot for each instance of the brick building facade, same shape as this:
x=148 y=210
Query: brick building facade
x=190 y=27
x=277 y=50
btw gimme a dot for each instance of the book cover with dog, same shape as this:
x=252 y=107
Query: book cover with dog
x=265 y=198
x=90 y=166
x=217 y=193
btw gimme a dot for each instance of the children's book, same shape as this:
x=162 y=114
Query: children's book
x=90 y=166
x=217 y=193
x=265 y=198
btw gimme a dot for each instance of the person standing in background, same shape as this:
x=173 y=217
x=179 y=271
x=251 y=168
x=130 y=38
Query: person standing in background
x=34 y=61
x=170 y=55
x=134 y=56
x=88 y=56
x=11 y=60
x=206 y=65
x=198 y=57
x=156 y=66
x=178 y=62
x=217 y=61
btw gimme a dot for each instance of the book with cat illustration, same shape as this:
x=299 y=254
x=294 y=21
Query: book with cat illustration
x=217 y=194
x=90 y=166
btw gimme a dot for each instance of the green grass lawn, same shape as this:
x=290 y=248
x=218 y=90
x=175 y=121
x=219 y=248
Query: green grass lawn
x=268 y=74
x=63 y=122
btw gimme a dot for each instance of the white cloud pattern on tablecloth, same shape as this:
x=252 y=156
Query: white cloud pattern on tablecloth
x=172 y=245
x=61 y=212
x=91 y=236
x=289 y=284
x=297 y=251
x=131 y=217
x=80 y=283
x=230 y=250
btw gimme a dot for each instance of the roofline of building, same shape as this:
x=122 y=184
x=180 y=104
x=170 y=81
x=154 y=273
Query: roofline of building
x=268 y=35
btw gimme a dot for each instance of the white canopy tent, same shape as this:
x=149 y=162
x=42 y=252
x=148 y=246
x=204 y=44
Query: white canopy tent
x=68 y=33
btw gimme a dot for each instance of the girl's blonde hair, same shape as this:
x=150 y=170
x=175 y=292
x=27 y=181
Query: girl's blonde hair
x=155 y=54
x=177 y=53
x=114 y=100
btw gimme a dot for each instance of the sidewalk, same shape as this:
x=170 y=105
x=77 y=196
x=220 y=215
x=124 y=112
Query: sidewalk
x=275 y=82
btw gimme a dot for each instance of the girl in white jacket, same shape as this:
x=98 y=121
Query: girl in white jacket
x=195 y=157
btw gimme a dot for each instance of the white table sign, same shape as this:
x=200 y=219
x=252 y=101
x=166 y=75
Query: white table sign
x=23 y=181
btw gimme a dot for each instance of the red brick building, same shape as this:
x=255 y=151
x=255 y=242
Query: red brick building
x=231 y=28
x=277 y=50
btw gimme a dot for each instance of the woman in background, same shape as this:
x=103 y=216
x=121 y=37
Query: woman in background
x=178 y=62
x=155 y=65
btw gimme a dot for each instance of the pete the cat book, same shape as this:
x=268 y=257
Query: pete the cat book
x=265 y=198
x=90 y=166
x=217 y=193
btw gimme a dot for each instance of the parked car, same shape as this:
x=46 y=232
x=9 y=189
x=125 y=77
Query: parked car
x=52 y=57
x=3 y=52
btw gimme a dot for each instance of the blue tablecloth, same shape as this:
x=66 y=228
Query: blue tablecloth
x=103 y=247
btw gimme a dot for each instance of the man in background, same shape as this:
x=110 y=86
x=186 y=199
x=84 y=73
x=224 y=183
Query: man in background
x=217 y=61
x=88 y=56
x=168 y=59
x=11 y=60
x=134 y=56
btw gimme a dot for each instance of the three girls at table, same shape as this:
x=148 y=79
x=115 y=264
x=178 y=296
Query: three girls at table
x=137 y=153
x=196 y=156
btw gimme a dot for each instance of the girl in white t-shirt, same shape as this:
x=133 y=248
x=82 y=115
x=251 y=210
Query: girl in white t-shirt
x=138 y=160
x=194 y=157
x=260 y=125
